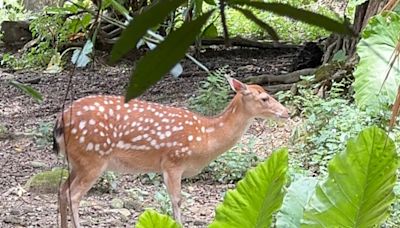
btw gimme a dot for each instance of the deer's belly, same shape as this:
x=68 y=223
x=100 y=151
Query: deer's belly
x=134 y=162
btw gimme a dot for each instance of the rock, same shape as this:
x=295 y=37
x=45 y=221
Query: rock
x=84 y=203
x=38 y=164
x=46 y=182
x=130 y=203
x=123 y=213
x=117 y=203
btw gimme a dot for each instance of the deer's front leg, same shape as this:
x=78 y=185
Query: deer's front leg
x=172 y=180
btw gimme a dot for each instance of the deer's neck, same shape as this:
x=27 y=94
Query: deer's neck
x=226 y=129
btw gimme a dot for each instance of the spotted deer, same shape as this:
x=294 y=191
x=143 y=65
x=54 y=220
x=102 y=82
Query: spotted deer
x=99 y=133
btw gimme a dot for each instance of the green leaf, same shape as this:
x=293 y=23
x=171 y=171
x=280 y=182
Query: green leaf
x=159 y=61
x=210 y=2
x=256 y=197
x=153 y=219
x=306 y=16
x=296 y=198
x=210 y=31
x=152 y=16
x=28 y=90
x=118 y=7
x=375 y=50
x=263 y=25
x=359 y=188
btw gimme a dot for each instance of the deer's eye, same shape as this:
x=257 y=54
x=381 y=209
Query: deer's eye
x=265 y=99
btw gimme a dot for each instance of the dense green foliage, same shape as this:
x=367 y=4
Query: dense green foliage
x=288 y=29
x=212 y=96
x=377 y=75
x=256 y=197
x=328 y=124
x=51 y=30
x=359 y=188
x=352 y=195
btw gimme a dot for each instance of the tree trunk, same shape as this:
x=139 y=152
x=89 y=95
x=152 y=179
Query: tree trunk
x=363 y=13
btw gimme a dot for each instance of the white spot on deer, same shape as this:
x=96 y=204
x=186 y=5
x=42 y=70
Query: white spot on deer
x=140 y=128
x=78 y=113
x=84 y=132
x=118 y=107
x=190 y=138
x=102 y=134
x=126 y=105
x=108 y=141
x=111 y=112
x=111 y=102
x=101 y=108
x=85 y=108
x=82 y=124
x=165 y=120
x=74 y=131
x=133 y=124
x=115 y=134
x=210 y=129
x=137 y=138
x=96 y=130
x=91 y=107
x=141 y=109
x=120 y=144
x=126 y=117
x=195 y=117
x=162 y=136
x=159 y=128
x=189 y=152
x=89 y=146
x=105 y=102
x=156 y=124
x=105 y=116
x=167 y=134
x=221 y=124
x=92 y=122
x=97 y=147
x=82 y=139
x=198 y=138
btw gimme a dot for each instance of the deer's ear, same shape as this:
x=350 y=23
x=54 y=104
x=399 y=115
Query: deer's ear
x=237 y=86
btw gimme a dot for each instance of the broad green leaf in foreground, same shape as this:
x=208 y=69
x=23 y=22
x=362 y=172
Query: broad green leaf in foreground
x=305 y=16
x=375 y=50
x=159 y=61
x=256 y=197
x=296 y=198
x=28 y=90
x=137 y=28
x=359 y=188
x=153 y=219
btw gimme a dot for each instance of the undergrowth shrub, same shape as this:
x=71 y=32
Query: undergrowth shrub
x=288 y=29
x=50 y=30
x=328 y=124
x=230 y=167
x=213 y=94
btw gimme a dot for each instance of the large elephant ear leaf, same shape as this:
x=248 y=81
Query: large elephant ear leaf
x=296 y=198
x=153 y=219
x=359 y=188
x=377 y=76
x=256 y=197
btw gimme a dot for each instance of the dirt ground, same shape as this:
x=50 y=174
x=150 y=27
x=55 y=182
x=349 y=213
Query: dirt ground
x=21 y=156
